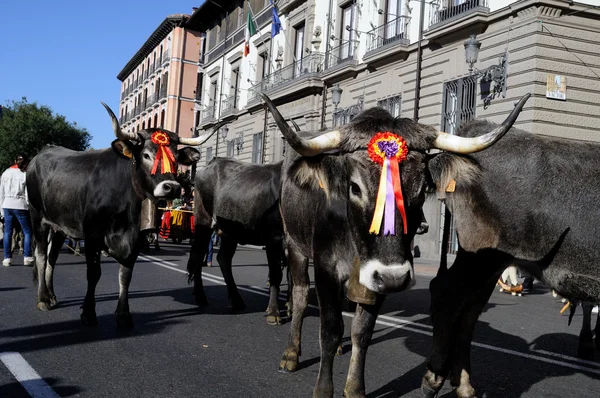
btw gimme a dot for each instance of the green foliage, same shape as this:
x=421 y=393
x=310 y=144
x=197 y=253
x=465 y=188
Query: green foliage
x=27 y=128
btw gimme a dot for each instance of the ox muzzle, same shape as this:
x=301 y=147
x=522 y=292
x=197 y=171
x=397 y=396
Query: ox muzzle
x=386 y=278
x=169 y=189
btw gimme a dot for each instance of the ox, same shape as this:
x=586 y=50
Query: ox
x=328 y=195
x=97 y=196
x=241 y=201
x=521 y=193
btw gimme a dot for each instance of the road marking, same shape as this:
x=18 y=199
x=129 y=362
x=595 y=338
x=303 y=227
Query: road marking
x=399 y=323
x=27 y=376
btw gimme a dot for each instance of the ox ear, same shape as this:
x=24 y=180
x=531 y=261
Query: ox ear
x=188 y=155
x=123 y=148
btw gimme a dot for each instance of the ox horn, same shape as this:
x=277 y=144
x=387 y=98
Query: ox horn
x=312 y=147
x=456 y=144
x=295 y=125
x=117 y=128
x=197 y=141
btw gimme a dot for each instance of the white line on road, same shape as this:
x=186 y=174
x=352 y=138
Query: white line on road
x=399 y=323
x=27 y=376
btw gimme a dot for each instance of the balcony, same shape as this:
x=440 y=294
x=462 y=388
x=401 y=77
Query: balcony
x=309 y=66
x=390 y=34
x=230 y=105
x=341 y=56
x=209 y=114
x=453 y=11
x=166 y=57
x=163 y=92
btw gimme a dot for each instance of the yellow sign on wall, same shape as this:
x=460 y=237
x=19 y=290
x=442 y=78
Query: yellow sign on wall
x=556 y=87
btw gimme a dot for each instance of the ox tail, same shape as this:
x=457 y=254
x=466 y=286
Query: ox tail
x=445 y=241
x=548 y=258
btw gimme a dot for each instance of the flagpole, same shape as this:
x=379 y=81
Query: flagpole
x=258 y=31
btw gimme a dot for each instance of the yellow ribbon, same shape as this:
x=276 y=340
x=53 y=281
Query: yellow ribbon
x=380 y=205
x=166 y=163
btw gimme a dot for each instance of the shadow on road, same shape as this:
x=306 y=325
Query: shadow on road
x=16 y=390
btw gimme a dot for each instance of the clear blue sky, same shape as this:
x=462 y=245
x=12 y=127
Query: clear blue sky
x=67 y=54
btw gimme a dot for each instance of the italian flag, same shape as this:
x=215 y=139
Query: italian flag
x=250 y=31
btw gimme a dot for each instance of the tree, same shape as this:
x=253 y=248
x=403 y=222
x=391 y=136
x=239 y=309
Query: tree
x=27 y=128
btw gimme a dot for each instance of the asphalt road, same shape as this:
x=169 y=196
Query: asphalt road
x=523 y=346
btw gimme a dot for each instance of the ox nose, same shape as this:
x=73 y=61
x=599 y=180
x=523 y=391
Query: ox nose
x=167 y=189
x=386 y=278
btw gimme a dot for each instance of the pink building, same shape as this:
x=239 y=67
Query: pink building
x=160 y=82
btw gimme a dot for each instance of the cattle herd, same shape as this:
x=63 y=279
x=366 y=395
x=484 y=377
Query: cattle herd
x=351 y=200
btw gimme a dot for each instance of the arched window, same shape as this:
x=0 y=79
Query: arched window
x=156 y=120
x=162 y=118
x=144 y=125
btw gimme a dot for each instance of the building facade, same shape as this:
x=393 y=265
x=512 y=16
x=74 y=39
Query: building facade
x=365 y=53
x=159 y=83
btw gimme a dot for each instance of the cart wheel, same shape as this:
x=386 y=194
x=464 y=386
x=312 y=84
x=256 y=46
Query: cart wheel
x=177 y=240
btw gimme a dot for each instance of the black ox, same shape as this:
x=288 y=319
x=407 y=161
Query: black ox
x=239 y=200
x=519 y=196
x=97 y=196
x=328 y=193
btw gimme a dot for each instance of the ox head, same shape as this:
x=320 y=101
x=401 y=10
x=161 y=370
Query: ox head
x=343 y=165
x=155 y=157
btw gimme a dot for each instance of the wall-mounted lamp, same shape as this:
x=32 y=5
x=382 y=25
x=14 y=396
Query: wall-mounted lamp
x=224 y=131
x=336 y=95
x=493 y=78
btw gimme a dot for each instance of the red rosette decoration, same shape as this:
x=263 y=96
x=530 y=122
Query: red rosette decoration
x=388 y=150
x=163 y=152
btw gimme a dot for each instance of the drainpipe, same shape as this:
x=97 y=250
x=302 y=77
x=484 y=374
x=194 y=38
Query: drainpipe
x=180 y=82
x=419 y=60
x=323 y=105
x=264 y=137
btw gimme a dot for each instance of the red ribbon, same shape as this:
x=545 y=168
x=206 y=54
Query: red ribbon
x=398 y=191
x=168 y=160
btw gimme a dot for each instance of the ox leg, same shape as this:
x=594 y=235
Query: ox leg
x=42 y=238
x=275 y=277
x=195 y=262
x=460 y=368
x=53 y=250
x=92 y=259
x=362 y=331
x=585 y=348
x=298 y=268
x=225 y=259
x=124 y=319
x=331 y=328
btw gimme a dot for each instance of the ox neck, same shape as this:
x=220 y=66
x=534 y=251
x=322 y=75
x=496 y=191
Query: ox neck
x=137 y=188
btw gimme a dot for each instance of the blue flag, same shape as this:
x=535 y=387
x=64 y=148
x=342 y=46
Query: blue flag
x=276 y=23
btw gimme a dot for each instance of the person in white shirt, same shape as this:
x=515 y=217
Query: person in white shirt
x=15 y=205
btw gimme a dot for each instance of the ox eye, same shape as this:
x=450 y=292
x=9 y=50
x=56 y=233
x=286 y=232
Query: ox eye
x=146 y=156
x=355 y=189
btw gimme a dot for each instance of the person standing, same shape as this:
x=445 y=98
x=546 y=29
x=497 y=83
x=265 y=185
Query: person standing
x=15 y=205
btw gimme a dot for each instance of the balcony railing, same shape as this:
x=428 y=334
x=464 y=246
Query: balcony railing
x=230 y=104
x=341 y=55
x=163 y=91
x=395 y=31
x=166 y=57
x=209 y=113
x=454 y=9
x=310 y=65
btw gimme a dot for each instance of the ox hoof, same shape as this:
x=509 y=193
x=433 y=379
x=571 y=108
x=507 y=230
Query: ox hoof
x=289 y=362
x=273 y=318
x=43 y=306
x=89 y=319
x=427 y=391
x=354 y=394
x=200 y=300
x=53 y=301
x=237 y=304
x=125 y=321
x=340 y=351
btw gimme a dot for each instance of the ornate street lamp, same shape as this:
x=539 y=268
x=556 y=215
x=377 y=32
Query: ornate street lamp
x=493 y=78
x=336 y=95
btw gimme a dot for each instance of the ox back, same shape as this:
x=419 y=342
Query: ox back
x=239 y=200
x=85 y=195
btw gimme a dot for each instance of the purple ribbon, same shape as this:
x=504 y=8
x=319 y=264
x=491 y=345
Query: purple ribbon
x=389 y=148
x=389 y=216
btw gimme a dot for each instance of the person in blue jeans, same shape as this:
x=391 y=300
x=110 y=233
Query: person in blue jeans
x=15 y=206
x=214 y=240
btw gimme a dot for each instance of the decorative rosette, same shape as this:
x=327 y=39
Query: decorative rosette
x=162 y=141
x=388 y=150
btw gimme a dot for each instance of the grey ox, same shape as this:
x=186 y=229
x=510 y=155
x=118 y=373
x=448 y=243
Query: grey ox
x=241 y=201
x=97 y=196
x=516 y=197
x=328 y=192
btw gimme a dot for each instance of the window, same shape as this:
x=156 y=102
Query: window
x=156 y=120
x=298 y=49
x=199 y=86
x=162 y=118
x=213 y=97
x=458 y=107
x=262 y=66
x=235 y=82
x=392 y=105
x=230 y=148
x=346 y=45
x=208 y=154
x=393 y=23
x=257 y=145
